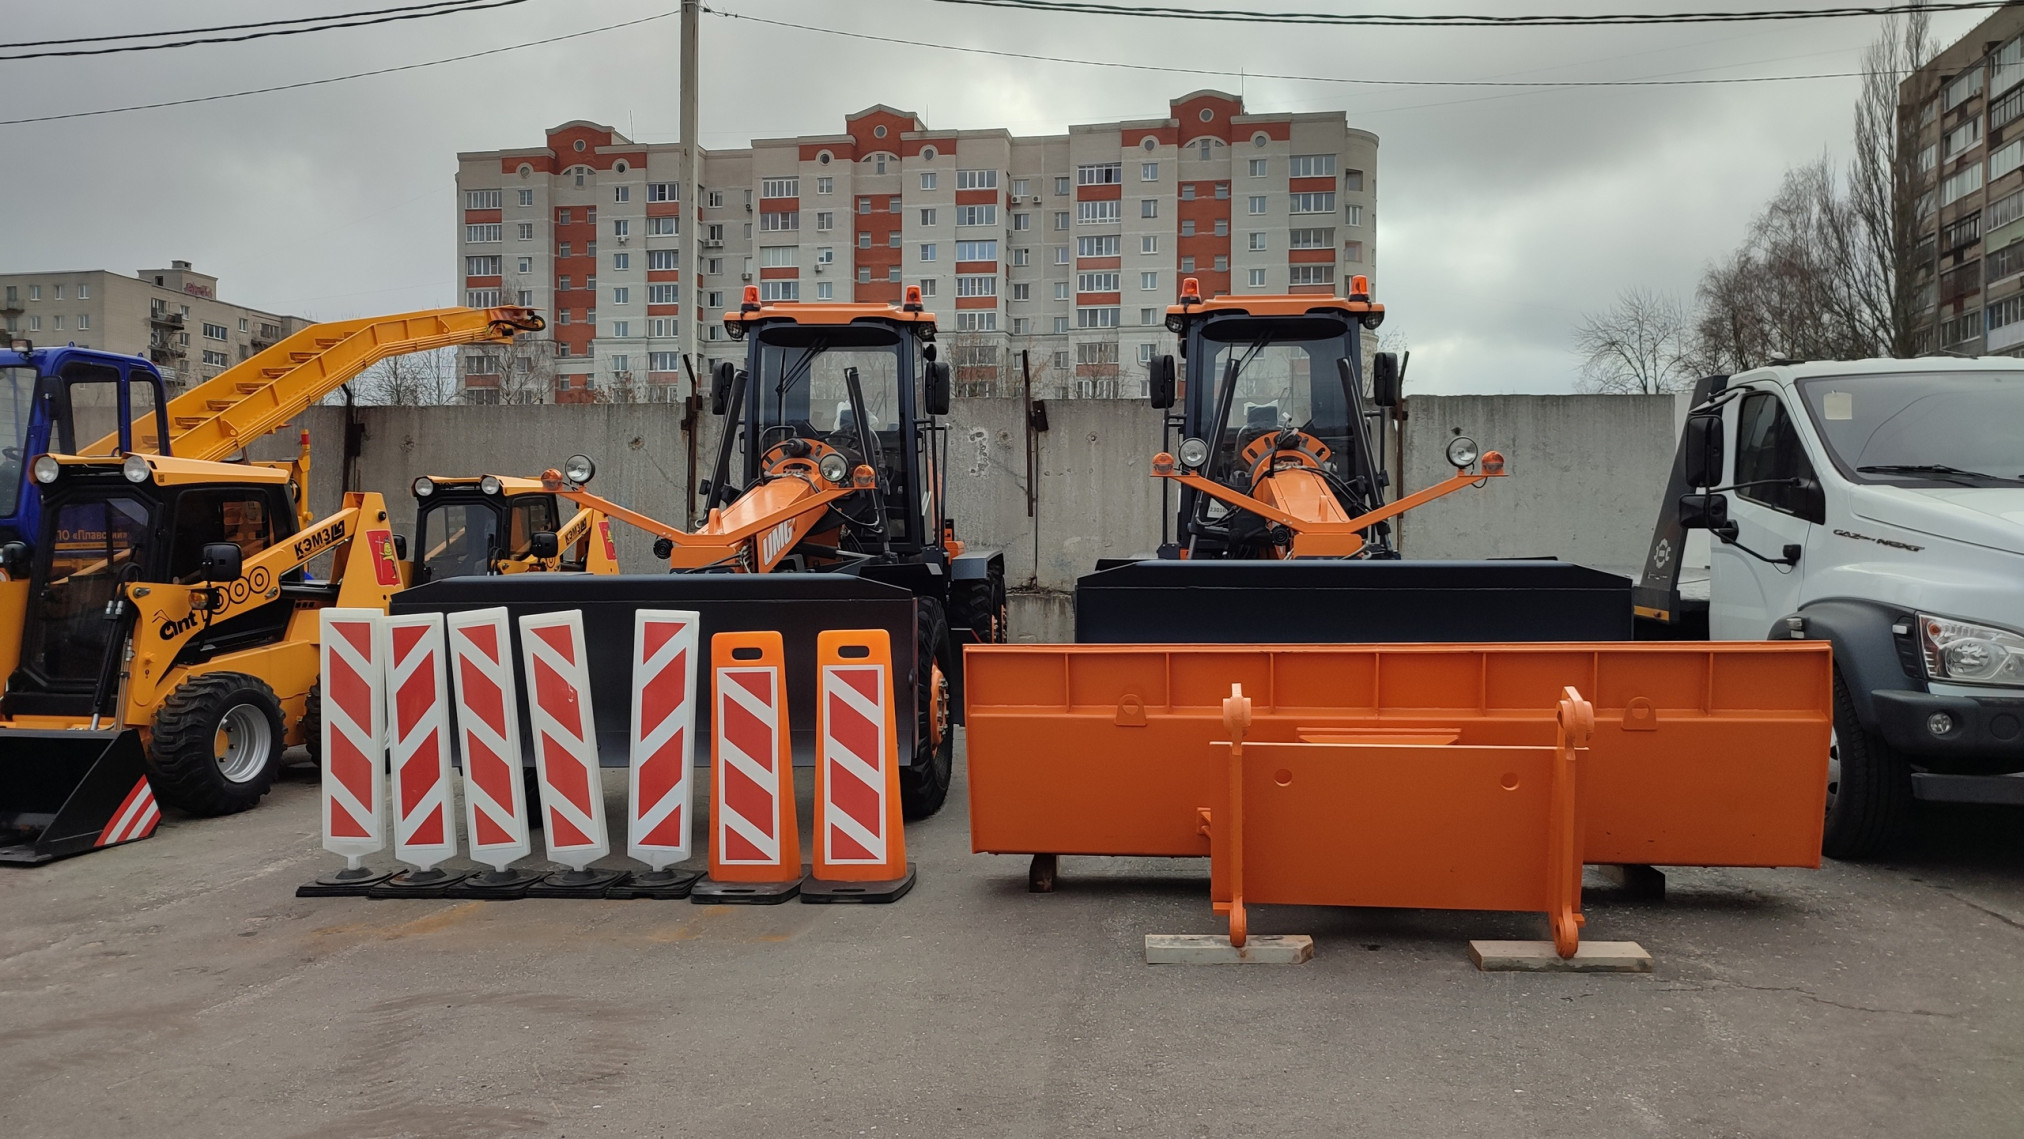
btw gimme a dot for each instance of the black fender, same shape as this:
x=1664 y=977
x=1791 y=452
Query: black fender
x=1869 y=656
x=975 y=565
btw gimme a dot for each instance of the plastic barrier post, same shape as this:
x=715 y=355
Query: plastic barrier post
x=565 y=755
x=663 y=739
x=488 y=738
x=755 y=850
x=418 y=742
x=353 y=679
x=860 y=843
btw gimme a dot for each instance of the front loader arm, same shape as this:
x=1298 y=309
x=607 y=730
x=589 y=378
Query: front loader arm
x=169 y=615
x=719 y=540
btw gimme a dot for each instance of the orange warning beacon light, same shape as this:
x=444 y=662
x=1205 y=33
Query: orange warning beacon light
x=913 y=301
x=1191 y=291
x=751 y=299
x=1359 y=288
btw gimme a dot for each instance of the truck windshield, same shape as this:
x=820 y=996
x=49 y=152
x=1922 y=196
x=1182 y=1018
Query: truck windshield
x=803 y=380
x=17 y=396
x=1281 y=374
x=93 y=545
x=1922 y=428
x=456 y=539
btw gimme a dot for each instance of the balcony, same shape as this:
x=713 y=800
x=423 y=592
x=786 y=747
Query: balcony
x=166 y=319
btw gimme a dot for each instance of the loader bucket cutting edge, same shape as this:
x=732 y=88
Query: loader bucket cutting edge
x=1702 y=754
x=64 y=792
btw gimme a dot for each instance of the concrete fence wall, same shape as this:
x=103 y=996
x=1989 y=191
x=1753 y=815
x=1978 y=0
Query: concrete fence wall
x=1585 y=477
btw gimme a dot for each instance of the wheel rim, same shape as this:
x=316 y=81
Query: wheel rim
x=1833 y=766
x=245 y=739
x=938 y=710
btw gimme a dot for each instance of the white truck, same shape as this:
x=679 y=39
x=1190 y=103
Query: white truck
x=1877 y=505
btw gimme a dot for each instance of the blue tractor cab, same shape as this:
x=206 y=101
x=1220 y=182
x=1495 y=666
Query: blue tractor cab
x=65 y=400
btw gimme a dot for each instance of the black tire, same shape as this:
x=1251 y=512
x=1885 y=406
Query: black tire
x=1869 y=791
x=216 y=743
x=979 y=605
x=924 y=784
x=312 y=723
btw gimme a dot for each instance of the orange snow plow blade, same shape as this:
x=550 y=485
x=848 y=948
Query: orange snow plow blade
x=1703 y=754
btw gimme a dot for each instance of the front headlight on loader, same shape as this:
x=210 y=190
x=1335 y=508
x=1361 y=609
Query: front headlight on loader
x=579 y=469
x=1963 y=652
x=1462 y=452
x=489 y=484
x=834 y=467
x=46 y=469
x=424 y=487
x=1193 y=453
x=135 y=469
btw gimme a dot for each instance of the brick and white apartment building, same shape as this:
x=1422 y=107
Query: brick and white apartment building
x=1068 y=247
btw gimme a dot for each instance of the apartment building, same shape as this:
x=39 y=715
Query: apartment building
x=171 y=316
x=1966 y=109
x=1067 y=247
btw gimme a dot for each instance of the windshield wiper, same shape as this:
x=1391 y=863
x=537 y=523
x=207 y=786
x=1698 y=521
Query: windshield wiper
x=1931 y=469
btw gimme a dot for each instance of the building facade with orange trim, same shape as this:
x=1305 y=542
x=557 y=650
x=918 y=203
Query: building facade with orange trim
x=1065 y=247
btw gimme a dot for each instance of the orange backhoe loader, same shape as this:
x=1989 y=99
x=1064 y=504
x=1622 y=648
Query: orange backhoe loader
x=1332 y=724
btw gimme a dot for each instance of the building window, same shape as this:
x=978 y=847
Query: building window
x=1149 y=282
x=1149 y=316
x=1222 y=227
x=864 y=239
x=1187 y=264
x=893 y=239
x=976 y=251
x=83 y=294
x=1256 y=242
x=481 y=266
x=1187 y=191
x=1206 y=146
x=1310 y=274
x=1353 y=216
x=928 y=217
x=1096 y=282
x=1188 y=228
x=217 y=359
x=481 y=200
x=825 y=255
x=664 y=192
x=878 y=163
x=780 y=187
x=1022 y=326
x=893 y=204
x=1021 y=257
x=1061 y=255
x=664 y=361
x=927 y=286
x=1352 y=251
x=864 y=205
x=1149 y=244
x=1021 y=187
x=978 y=285
x=1097 y=213
x=481 y=298
x=664 y=227
x=1061 y=219
x=1060 y=327
x=1257 y=168
x=1061 y=290
x=1222 y=191
x=863 y=274
x=1021 y=291
x=1146 y=353
x=663 y=327
x=893 y=274
x=977 y=215
x=780 y=290
x=1149 y=171
x=714 y=298
x=825 y=291
x=1096 y=317
x=1022 y=221
x=1149 y=207
x=620 y=227
x=523 y=265
x=620 y=328
x=621 y=295
x=1257 y=278
x=526 y=197
x=1318 y=203
x=621 y=193
x=661 y=260
x=1256 y=204
x=1099 y=174
x=1311 y=166
x=928 y=252
x=1311 y=239
x=976 y=179
x=481 y=234
x=825 y=220
x=973 y=320
x=781 y=222
x=562 y=284
x=1061 y=186
x=211 y=331
x=1105 y=246
x=825 y=185
x=1222 y=264
x=927 y=179
x=1352 y=180
x=664 y=294
x=83 y=320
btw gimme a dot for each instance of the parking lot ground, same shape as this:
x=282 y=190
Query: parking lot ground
x=177 y=987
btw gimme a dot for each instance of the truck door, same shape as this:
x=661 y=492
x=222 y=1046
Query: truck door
x=1746 y=595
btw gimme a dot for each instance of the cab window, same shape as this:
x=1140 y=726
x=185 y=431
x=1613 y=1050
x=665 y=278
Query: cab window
x=240 y=517
x=1768 y=448
x=532 y=514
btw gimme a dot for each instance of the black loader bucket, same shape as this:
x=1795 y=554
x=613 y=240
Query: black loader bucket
x=63 y=793
x=796 y=605
x=1349 y=602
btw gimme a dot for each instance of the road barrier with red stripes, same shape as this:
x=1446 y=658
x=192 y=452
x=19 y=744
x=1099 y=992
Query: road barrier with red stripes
x=756 y=853
x=860 y=845
x=418 y=743
x=488 y=738
x=353 y=744
x=565 y=754
x=663 y=746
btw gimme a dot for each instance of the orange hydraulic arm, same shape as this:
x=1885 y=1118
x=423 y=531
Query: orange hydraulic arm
x=216 y=419
x=1290 y=490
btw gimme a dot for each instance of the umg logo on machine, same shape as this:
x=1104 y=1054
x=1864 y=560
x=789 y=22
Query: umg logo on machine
x=776 y=542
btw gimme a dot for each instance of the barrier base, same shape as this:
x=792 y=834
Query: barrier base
x=431 y=883
x=709 y=891
x=344 y=884
x=817 y=892
x=668 y=885
x=1040 y=873
x=576 y=884
x=500 y=885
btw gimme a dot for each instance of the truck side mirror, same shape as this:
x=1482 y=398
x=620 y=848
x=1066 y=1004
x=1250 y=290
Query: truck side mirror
x=543 y=544
x=400 y=547
x=1384 y=379
x=223 y=561
x=14 y=557
x=721 y=378
x=1704 y=450
x=1704 y=512
x=1160 y=386
x=938 y=388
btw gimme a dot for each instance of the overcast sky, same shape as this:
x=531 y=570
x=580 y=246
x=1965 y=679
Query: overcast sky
x=1502 y=215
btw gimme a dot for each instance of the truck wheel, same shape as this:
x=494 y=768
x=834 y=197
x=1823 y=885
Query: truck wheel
x=924 y=785
x=1869 y=787
x=312 y=723
x=979 y=605
x=216 y=743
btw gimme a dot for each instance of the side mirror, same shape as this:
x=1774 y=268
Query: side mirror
x=1160 y=387
x=721 y=378
x=223 y=561
x=938 y=388
x=1704 y=511
x=543 y=544
x=14 y=557
x=1704 y=450
x=1384 y=379
x=400 y=547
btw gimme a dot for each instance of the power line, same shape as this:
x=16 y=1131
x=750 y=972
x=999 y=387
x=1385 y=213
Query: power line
x=334 y=78
x=1653 y=82
x=455 y=8
x=1616 y=19
x=227 y=27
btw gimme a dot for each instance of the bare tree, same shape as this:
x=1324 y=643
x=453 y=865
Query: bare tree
x=413 y=379
x=1638 y=346
x=1885 y=181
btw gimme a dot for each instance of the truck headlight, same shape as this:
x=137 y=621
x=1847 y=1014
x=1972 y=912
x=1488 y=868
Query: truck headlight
x=1193 y=453
x=834 y=467
x=135 y=469
x=46 y=469
x=579 y=469
x=424 y=487
x=490 y=484
x=1962 y=652
x=1462 y=452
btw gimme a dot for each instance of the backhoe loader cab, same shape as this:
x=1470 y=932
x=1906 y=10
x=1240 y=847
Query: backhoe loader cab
x=62 y=399
x=495 y=524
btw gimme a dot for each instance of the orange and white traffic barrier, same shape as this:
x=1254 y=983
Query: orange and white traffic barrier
x=663 y=748
x=488 y=738
x=418 y=745
x=755 y=852
x=860 y=844
x=353 y=681
x=565 y=754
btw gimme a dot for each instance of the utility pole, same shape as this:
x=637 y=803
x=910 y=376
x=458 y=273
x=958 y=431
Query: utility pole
x=690 y=319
